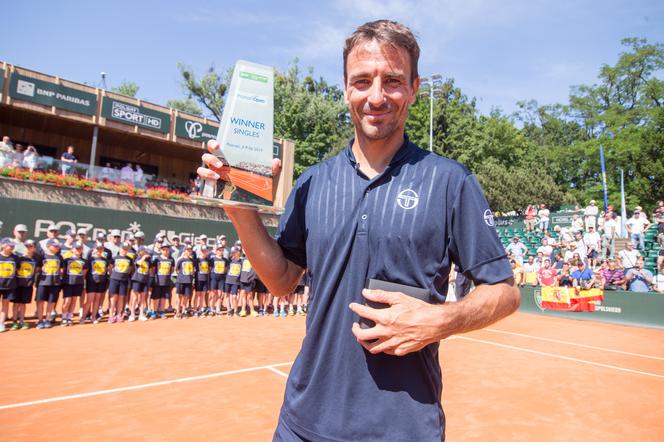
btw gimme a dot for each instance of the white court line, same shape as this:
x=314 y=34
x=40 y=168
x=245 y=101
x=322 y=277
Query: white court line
x=566 y=358
x=495 y=330
x=142 y=386
x=279 y=372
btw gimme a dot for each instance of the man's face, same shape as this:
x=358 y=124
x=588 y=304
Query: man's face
x=82 y=237
x=52 y=233
x=379 y=90
x=639 y=264
x=70 y=149
x=115 y=239
x=531 y=260
x=20 y=235
x=612 y=265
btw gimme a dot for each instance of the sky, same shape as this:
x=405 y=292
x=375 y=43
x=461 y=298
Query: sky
x=498 y=51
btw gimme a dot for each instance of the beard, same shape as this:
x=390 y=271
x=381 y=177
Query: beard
x=383 y=129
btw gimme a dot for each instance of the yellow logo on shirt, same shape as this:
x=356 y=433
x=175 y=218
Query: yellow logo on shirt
x=246 y=265
x=122 y=266
x=235 y=270
x=187 y=268
x=143 y=268
x=75 y=268
x=51 y=267
x=99 y=268
x=220 y=267
x=204 y=267
x=164 y=268
x=67 y=254
x=7 y=269
x=25 y=270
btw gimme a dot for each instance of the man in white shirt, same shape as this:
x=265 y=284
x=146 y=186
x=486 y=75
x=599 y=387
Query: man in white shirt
x=628 y=256
x=518 y=249
x=545 y=248
x=609 y=235
x=127 y=174
x=636 y=226
x=592 y=241
x=590 y=215
x=6 y=151
x=543 y=214
x=138 y=176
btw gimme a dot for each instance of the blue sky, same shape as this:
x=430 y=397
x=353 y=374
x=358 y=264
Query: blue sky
x=500 y=51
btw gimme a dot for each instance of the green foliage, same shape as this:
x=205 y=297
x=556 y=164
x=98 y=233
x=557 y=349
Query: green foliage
x=185 y=105
x=128 y=88
x=208 y=91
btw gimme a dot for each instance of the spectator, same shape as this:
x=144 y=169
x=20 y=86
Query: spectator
x=592 y=242
x=638 y=279
x=52 y=232
x=581 y=246
x=530 y=271
x=68 y=159
x=659 y=280
x=565 y=279
x=612 y=277
x=6 y=151
x=518 y=273
x=107 y=173
x=636 y=226
x=517 y=249
x=570 y=252
x=577 y=224
x=19 y=152
x=659 y=219
x=609 y=235
x=20 y=237
x=30 y=158
x=530 y=220
x=558 y=261
x=590 y=215
x=138 y=176
x=547 y=275
x=543 y=214
x=545 y=249
x=127 y=174
x=584 y=278
x=114 y=243
x=628 y=256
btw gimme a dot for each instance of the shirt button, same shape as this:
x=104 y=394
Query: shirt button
x=364 y=216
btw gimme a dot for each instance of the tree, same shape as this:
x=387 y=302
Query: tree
x=209 y=91
x=128 y=88
x=185 y=105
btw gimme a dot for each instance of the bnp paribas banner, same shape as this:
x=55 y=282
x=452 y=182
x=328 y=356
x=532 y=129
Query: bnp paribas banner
x=132 y=114
x=51 y=94
x=194 y=130
x=246 y=134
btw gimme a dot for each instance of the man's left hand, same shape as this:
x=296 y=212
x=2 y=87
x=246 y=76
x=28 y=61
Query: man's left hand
x=407 y=325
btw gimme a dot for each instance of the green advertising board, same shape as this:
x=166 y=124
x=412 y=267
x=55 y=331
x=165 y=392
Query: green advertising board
x=628 y=308
x=194 y=130
x=37 y=215
x=132 y=114
x=51 y=94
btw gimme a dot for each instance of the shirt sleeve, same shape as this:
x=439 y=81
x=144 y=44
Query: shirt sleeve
x=292 y=232
x=474 y=243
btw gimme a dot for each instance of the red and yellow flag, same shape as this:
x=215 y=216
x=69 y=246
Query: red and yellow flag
x=570 y=299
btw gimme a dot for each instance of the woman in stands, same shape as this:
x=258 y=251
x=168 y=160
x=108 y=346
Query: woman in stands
x=96 y=282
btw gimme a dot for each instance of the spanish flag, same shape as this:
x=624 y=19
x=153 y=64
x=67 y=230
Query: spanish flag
x=570 y=299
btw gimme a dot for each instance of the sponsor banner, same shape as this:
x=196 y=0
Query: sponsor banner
x=50 y=94
x=132 y=114
x=194 y=130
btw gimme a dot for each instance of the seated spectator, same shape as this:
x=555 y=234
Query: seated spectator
x=570 y=252
x=638 y=279
x=612 y=277
x=546 y=249
x=530 y=271
x=628 y=256
x=530 y=220
x=547 y=275
x=659 y=280
x=565 y=279
x=30 y=158
x=518 y=272
x=584 y=278
x=68 y=160
x=558 y=261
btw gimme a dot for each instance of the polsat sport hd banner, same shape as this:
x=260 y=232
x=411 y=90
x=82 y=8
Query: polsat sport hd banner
x=570 y=299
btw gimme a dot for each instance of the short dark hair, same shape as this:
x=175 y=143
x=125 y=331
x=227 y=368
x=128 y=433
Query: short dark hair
x=387 y=32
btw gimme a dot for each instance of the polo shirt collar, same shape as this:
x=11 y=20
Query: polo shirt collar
x=399 y=157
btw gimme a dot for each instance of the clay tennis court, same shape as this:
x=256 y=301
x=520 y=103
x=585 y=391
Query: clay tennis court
x=525 y=378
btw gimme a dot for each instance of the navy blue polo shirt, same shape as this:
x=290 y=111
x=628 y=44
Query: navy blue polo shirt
x=405 y=226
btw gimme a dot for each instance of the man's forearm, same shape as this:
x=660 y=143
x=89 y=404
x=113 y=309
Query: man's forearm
x=481 y=308
x=278 y=273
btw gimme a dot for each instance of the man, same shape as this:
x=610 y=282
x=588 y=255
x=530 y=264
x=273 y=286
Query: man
x=20 y=237
x=530 y=271
x=592 y=240
x=545 y=249
x=386 y=195
x=609 y=235
x=638 y=279
x=68 y=160
x=543 y=214
x=612 y=278
x=138 y=177
x=114 y=242
x=517 y=249
x=628 y=256
x=82 y=236
x=127 y=174
x=547 y=275
x=140 y=239
x=6 y=151
x=52 y=232
x=177 y=248
x=590 y=215
x=636 y=226
x=530 y=221
x=584 y=278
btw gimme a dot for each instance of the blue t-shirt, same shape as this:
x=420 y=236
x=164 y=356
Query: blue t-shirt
x=638 y=283
x=405 y=226
x=582 y=276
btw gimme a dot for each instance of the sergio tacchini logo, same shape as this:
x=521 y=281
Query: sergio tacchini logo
x=408 y=199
